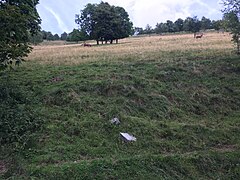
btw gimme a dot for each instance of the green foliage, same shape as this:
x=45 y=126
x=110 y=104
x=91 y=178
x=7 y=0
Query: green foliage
x=77 y=35
x=47 y=35
x=206 y=23
x=56 y=37
x=148 y=29
x=217 y=25
x=138 y=30
x=232 y=20
x=64 y=36
x=179 y=25
x=103 y=22
x=17 y=19
x=192 y=24
x=18 y=120
x=36 y=38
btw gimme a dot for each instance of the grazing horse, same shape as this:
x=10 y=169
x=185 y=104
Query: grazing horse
x=198 y=36
x=87 y=45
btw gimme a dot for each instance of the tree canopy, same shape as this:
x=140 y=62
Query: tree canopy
x=103 y=22
x=232 y=20
x=190 y=24
x=18 y=20
x=76 y=36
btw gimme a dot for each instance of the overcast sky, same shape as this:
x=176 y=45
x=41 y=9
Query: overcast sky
x=58 y=16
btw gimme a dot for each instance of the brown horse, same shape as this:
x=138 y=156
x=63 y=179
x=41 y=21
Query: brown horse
x=198 y=36
x=87 y=45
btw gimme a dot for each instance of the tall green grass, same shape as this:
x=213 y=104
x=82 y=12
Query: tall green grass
x=184 y=114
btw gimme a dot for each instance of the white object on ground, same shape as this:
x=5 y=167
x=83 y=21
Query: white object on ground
x=128 y=137
x=115 y=121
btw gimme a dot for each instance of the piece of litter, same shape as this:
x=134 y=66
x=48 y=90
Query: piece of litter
x=115 y=121
x=128 y=137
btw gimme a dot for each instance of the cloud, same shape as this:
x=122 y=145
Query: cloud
x=59 y=17
x=60 y=22
x=151 y=12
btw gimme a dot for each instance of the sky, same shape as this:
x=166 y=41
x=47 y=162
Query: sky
x=58 y=16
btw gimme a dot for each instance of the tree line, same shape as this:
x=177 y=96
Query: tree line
x=190 y=24
x=75 y=36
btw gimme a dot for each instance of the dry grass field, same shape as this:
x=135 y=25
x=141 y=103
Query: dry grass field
x=135 y=48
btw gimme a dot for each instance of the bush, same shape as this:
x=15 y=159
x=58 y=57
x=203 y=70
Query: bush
x=18 y=120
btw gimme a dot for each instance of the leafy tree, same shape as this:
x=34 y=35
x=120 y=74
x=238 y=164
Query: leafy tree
x=104 y=19
x=217 y=25
x=161 y=28
x=170 y=26
x=76 y=36
x=36 y=38
x=206 y=23
x=64 y=36
x=158 y=28
x=122 y=26
x=138 y=30
x=232 y=20
x=188 y=23
x=86 y=19
x=18 y=19
x=44 y=33
x=56 y=37
x=179 y=25
x=148 y=29
x=192 y=24
x=103 y=22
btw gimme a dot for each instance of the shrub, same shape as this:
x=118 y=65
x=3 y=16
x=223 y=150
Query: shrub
x=18 y=120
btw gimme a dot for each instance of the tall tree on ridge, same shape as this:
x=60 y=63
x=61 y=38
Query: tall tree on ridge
x=103 y=22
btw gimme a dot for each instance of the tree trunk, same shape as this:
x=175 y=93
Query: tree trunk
x=111 y=41
x=97 y=42
x=105 y=42
x=116 y=41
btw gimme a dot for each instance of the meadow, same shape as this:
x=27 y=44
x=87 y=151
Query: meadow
x=179 y=96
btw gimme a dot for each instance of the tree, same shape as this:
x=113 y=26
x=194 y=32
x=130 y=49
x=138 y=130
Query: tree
x=161 y=28
x=18 y=19
x=76 y=36
x=56 y=37
x=122 y=26
x=179 y=25
x=64 y=36
x=192 y=24
x=217 y=25
x=206 y=23
x=137 y=30
x=36 y=38
x=187 y=24
x=148 y=29
x=103 y=22
x=170 y=26
x=158 y=28
x=232 y=20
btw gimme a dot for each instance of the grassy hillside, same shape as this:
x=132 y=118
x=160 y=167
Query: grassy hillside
x=180 y=97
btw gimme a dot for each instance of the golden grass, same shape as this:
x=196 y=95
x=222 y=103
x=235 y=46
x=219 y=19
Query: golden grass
x=135 y=48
